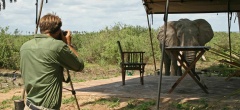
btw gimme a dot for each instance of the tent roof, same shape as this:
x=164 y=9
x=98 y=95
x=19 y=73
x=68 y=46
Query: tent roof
x=192 y=6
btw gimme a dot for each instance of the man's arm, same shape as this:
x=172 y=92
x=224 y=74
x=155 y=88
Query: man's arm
x=68 y=40
x=73 y=50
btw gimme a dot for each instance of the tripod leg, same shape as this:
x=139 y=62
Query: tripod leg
x=73 y=91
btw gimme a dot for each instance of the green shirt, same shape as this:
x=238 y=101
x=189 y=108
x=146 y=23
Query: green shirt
x=41 y=64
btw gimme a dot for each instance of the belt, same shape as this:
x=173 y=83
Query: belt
x=32 y=106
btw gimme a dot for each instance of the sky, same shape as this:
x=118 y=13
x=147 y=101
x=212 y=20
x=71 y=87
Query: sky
x=96 y=15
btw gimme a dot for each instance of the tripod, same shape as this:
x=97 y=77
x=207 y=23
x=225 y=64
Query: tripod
x=73 y=91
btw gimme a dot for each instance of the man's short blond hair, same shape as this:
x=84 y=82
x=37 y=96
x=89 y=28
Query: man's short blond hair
x=50 y=23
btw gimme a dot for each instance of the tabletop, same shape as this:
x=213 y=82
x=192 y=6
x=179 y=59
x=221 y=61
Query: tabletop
x=187 y=48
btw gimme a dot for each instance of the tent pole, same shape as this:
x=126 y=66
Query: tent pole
x=150 y=35
x=36 y=12
x=23 y=91
x=229 y=33
x=163 y=50
x=39 y=15
x=238 y=16
x=37 y=22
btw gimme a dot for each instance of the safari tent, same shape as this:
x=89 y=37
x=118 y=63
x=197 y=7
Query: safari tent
x=189 y=7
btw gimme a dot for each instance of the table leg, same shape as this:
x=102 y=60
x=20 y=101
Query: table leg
x=188 y=67
x=176 y=54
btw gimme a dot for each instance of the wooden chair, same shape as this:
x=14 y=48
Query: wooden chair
x=131 y=61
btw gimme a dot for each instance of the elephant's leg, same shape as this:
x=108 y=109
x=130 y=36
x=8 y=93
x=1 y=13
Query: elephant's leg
x=167 y=63
x=174 y=67
x=179 y=71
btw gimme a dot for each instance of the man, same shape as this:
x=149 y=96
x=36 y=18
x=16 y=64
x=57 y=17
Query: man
x=42 y=61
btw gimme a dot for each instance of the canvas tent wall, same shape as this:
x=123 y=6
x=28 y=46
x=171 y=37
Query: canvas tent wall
x=192 y=6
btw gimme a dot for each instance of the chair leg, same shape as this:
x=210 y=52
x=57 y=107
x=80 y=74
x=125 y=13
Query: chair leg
x=141 y=76
x=123 y=76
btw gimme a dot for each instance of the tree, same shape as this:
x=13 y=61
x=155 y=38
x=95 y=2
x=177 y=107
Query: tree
x=3 y=4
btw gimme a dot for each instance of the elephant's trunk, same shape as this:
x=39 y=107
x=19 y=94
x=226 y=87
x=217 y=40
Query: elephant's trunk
x=190 y=56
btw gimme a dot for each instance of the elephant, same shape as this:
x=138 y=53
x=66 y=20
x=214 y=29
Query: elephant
x=183 y=32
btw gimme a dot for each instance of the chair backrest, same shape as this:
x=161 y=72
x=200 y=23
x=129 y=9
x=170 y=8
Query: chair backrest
x=119 y=45
x=121 y=52
x=130 y=57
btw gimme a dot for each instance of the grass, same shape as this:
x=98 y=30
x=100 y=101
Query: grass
x=16 y=97
x=95 y=72
x=111 y=102
x=203 y=104
x=134 y=104
x=68 y=100
x=8 y=102
x=114 y=103
x=199 y=104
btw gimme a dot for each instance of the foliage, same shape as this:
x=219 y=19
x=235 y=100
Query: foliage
x=101 y=47
x=94 y=47
x=229 y=59
x=220 y=42
x=10 y=47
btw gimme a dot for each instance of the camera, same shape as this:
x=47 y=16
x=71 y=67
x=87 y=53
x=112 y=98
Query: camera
x=64 y=32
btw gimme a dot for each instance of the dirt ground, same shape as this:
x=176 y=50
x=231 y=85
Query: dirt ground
x=221 y=93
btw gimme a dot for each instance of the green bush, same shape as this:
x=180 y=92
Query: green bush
x=10 y=47
x=101 y=47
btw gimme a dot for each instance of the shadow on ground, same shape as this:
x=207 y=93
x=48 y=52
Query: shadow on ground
x=217 y=87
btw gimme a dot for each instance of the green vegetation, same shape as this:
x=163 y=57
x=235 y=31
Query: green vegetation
x=94 y=47
x=111 y=102
x=132 y=104
x=5 y=104
x=203 y=104
x=139 y=105
x=220 y=51
x=8 y=102
x=100 y=48
x=198 y=105
x=9 y=48
x=68 y=100
x=16 y=97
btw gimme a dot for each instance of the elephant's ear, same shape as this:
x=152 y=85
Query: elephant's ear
x=205 y=31
x=171 y=34
x=160 y=34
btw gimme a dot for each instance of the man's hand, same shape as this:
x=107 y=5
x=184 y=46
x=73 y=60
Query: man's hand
x=67 y=38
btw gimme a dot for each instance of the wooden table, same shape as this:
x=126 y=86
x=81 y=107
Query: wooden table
x=175 y=50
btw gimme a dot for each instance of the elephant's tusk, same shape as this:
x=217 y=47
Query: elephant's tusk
x=178 y=63
x=204 y=58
